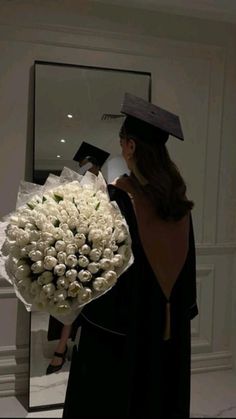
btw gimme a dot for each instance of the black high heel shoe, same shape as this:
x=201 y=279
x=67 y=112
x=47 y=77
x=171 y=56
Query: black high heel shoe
x=54 y=368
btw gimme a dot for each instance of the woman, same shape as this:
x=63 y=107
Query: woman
x=56 y=330
x=134 y=354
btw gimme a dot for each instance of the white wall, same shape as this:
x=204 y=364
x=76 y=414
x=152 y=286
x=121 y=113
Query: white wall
x=193 y=66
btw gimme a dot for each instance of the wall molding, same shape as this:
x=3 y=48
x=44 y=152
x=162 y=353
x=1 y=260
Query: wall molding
x=202 y=325
x=14 y=367
x=14 y=377
x=74 y=45
x=215 y=248
x=211 y=362
x=107 y=40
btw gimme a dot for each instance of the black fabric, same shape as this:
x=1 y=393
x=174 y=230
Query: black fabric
x=55 y=328
x=88 y=151
x=143 y=115
x=139 y=374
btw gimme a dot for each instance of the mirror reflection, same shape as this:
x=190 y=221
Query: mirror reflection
x=73 y=105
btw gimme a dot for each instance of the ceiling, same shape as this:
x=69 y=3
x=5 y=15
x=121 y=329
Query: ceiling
x=87 y=94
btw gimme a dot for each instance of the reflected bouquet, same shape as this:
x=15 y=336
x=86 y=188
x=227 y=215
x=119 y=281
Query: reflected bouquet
x=65 y=245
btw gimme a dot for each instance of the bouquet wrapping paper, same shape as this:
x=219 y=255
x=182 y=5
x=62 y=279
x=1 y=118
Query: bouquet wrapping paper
x=65 y=244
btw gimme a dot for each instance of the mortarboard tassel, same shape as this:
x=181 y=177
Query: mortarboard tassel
x=167 y=323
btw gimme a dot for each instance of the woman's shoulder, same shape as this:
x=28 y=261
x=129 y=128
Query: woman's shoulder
x=116 y=192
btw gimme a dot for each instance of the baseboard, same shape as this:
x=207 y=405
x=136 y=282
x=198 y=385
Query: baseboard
x=14 y=370
x=14 y=367
x=211 y=362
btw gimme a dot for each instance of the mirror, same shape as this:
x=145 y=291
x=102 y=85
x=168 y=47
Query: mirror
x=72 y=104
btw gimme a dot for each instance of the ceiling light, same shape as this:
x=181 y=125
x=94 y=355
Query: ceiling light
x=58 y=156
x=63 y=140
x=69 y=115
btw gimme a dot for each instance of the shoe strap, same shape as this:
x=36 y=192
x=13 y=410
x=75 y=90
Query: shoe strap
x=60 y=355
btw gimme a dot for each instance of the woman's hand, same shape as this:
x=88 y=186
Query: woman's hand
x=127 y=184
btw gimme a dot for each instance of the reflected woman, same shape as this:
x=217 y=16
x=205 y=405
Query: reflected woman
x=134 y=353
x=56 y=330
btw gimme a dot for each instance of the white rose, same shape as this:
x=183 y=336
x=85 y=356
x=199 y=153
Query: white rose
x=41 y=301
x=118 y=223
x=49 y=290
x=71 y=261
x=23 y=252
x=84 y=296
x=64 y=227
x=125 y=251
x=72 y=222
x=35 y=288
x=83 y=261
x=74 y=289
x=108 y=253
x=95 y=254
x=118 y=261
x=31 y=246
x=22 y=221
x=80 y=239
x=60 y=246
x=10 y=247
x=61 y=257
x=95 y=235
x=42 y=245
x=35 y=255
x=12 y=231
x=22 y=238
x=24 y=284
x=49 y=228
x=50 y=262
x=63 y=283
x=22 y=271
x=82 y=218
x=82 y=228
x=111 y=277
x=15 y=251
x=93 y=267
x=113 y=246
x=29 y=226
x=52 y=219
x=60 y=269
x=85 y=249
x=84 y=276
x=68 y=237
x=37 y=267
x=45 y=278
x=34 y=235
x=71 y=249
x=58 y=233
x=71 y=274
x=50 y=251
x=121 y=236
x=63 y=218
x=14 y=219
x=105 y=264
x=100 y=284
x=48 y=237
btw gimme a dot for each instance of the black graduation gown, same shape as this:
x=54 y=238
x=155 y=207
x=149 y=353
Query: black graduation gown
x=122 y=366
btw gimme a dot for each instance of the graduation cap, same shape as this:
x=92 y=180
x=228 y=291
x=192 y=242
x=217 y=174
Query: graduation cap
x=146 y=120
x=92 y=154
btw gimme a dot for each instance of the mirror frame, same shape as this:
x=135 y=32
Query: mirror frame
x=61 y=64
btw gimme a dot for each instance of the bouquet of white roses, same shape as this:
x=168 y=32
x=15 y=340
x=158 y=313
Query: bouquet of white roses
x=65 y=245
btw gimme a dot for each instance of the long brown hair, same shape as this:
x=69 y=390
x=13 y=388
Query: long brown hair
x=165 y=187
